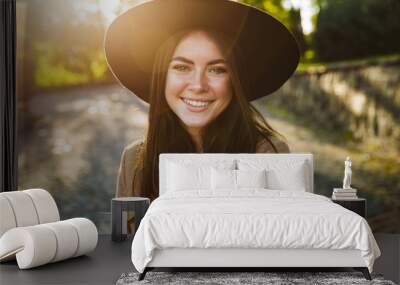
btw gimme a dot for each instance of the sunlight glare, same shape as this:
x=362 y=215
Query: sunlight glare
x=109 y=8
x=307 y=10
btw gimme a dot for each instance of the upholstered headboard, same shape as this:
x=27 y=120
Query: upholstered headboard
x=268 y=158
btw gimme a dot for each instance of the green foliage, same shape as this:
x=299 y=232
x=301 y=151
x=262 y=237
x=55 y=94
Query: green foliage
x=98 y=65
x=356 y=28
x=50 y=73
x=64 y=42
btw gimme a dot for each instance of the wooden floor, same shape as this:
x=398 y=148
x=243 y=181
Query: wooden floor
x=106 y=264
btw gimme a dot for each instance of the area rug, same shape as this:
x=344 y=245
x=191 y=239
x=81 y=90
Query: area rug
x=230 y=278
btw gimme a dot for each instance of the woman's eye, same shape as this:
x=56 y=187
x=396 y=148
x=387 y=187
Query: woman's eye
x=181 y=67
x=218 y=69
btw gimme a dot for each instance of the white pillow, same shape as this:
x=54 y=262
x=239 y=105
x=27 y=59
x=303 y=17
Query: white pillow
x=189 y=174
x=223 y=179
x=291 y=180
x=182 y=178
x=251 y=178
x=288 y=174
x=236 y=179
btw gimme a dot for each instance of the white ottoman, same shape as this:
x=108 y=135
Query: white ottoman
x=31 y=232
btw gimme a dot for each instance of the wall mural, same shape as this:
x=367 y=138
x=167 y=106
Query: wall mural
x=85 y=138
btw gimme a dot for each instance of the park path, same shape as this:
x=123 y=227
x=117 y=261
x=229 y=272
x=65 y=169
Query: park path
x=73 y=145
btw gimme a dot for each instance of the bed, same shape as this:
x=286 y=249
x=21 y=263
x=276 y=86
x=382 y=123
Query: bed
x=247 y=210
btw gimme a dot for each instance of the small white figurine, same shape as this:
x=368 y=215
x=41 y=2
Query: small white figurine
x=347 y=174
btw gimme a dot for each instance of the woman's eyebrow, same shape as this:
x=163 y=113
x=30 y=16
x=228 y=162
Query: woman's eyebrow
x=215 y=61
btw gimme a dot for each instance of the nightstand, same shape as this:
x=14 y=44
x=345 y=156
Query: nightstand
x=358 y=206
x=120 y=208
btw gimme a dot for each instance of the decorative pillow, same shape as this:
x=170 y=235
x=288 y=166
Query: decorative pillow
x=185 y=178
x=186 y=174
x=288 y=175
x=251 y=178
x=223 y=179
x=236 y=179
x=292 y=180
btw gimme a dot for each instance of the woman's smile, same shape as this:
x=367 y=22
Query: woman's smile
x=197 y=105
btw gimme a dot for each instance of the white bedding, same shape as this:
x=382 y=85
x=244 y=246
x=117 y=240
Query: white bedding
x=250 y=218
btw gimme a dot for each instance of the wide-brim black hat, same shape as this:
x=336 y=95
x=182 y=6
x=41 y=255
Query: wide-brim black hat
x=271 y=53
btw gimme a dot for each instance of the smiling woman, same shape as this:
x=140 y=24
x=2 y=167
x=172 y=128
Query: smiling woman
x=198 y=74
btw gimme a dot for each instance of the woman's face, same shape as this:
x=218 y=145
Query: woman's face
x=198 y=84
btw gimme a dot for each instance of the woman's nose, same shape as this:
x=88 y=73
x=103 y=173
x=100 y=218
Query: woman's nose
x=198 y=82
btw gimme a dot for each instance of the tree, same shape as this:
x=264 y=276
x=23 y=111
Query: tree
x=357 y=28
x=297 y=30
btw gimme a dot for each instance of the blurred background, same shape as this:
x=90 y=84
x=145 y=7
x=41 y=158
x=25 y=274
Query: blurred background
x=344 y=100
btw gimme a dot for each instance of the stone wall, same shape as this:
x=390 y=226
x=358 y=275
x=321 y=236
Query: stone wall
x=354 y=101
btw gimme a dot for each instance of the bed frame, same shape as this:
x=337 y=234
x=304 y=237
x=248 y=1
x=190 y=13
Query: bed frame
x=245 y=259
x=241 y=259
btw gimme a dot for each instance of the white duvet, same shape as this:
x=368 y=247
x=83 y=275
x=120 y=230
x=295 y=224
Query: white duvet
x=251 y=218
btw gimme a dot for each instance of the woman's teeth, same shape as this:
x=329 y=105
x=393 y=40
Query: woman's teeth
x=196 y=103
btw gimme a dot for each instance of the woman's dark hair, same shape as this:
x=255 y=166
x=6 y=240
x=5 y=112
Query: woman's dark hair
x=237 y=129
